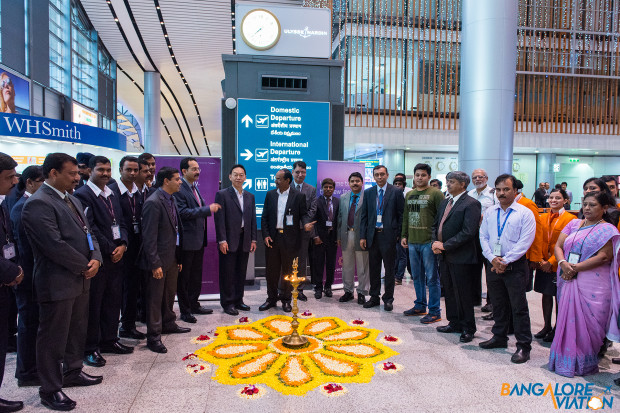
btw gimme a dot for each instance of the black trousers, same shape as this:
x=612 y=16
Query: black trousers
x=27 y=326
x=477 y=286
x=458 y=280
x=279 y=262
x=233 y=269
x=160 y=301
x=4 y=326
x=106 y=291
x=324 y=258
x=382 y=250
x=60 y=340
x=508 y=298
x=134 y=284
x=189 y=281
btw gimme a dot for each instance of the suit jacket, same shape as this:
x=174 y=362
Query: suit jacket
x=310 y=193
x=193 y=217
x=12 y=198
x=460 y=230
x=321 y=218
x=159 y=234
x=393 y=206
x=343 y=217
x=8 y=268
x=296 y=204
x=228 y=219
x=26 y=257
x=59 y=244
x=101 y=220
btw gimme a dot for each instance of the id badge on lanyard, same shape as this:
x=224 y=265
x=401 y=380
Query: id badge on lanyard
x=116 y=231
x=178 y=237
x=289 y=218
x=573 y=258
x=8 y=251
x=136 y=226
x=89 y=237
x=497 y=249
x=329 y=224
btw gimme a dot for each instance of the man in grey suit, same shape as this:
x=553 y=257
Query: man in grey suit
x=309 y=191
x=66 y=257
x=354 y=258
x=161 y=247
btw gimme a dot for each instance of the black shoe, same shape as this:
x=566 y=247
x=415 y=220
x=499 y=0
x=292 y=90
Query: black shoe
x=301 y=296
x=266 y=306
x=487 y=308
x=94 y=359
x=328 y=292
x=131 y=333
x=188 y=318
x=9 y=406
x=373 y=302
x=361 y=299
x=466 y=337
x=347 y=297
x=83 y=380
x=388 y=306
x=231 y=311
x=520 y=356
x=398 y=281
x=550 y=336
x=542 y=333
x=117 y=348
x=242 y=307
x=157 y=347
x=488 y=317
x=201 y=310
x=57 y=401
x=493 y=343
x=177 y=330
x=318 y=294
x=414 y=312
x=286 y=306
x=449 y=329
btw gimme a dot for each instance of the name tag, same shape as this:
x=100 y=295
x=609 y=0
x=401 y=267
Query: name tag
x=497 y=249
x=136 y=228
x=379 y=219
x=573 y=258
x=178 y=240
x=328 y=224
x=90 y=241
x=116 y=232
x=289 y=220
x=8 y=251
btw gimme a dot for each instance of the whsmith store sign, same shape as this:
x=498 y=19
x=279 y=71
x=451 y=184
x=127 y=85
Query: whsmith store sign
x=59 y=130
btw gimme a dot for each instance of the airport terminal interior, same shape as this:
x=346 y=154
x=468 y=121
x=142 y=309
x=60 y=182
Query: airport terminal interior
x=356 y=151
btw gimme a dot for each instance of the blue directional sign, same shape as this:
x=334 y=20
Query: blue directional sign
x=274 y=134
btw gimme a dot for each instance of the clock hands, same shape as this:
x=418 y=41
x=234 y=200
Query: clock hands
x=257 y=31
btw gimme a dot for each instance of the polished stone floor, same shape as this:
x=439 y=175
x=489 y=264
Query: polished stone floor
x=441 y=375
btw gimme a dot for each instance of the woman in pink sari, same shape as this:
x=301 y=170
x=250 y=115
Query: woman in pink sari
x=584 y=252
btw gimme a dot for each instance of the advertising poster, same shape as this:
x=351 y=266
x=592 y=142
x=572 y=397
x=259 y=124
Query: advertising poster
x=15 y=93
x=339 y=172
x=208 y=184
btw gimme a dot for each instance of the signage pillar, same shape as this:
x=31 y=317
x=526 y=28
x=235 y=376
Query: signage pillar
x=152 y=112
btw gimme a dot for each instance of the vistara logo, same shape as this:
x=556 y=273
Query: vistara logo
x=567 y=396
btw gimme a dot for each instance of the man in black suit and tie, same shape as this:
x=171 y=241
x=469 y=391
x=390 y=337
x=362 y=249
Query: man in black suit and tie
x=307 y=248
x=105 y=216
x=380 y=225
x=235 y=228
x=193 y=212
x=284 y=218
x=11 y=274
x=162 y=237
x=130 y=201
x=27 y=306
x=325 y=239
x=453 y=238
x=66 y=257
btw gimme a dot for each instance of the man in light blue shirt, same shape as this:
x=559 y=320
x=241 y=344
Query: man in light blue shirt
x=506 y=233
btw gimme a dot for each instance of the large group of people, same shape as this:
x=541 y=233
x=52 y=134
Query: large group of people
x=85 y=258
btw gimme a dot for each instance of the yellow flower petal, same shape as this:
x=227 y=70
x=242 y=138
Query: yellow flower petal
x=346 y=335
x=356 y=350
x=253 y=367
x=334 y=366
x=294 y=372
x=235 y=350
x=247 y=333
x=319 y=326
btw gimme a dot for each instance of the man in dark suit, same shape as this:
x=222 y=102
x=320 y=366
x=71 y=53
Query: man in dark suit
x=162 y=237
x=149 y=160
x=307 y=247
x=453 y=238
x=193 y=211
x=27 y=306
x=130 y=201
x=283 y=220
x=380 y=225
x=540 y=195
x=325 y=239
x=62 y=275
x=235 y=228
x=105 y=216
x=11 y=274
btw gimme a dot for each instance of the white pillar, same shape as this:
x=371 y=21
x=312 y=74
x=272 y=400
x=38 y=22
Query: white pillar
x=152 y=112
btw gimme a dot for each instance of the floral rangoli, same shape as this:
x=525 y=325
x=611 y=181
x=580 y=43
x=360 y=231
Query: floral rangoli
x=253 y=353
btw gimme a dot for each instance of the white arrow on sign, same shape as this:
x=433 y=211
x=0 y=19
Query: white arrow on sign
x=247 y=184
x=247 y=120
x=247 y=155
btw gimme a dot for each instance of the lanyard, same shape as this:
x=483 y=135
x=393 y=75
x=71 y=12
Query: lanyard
x=501 y=230
x=132 y=205
x=109 y=207
x=4 y=224
x=584 y=238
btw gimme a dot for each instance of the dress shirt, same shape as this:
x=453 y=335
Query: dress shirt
x=105 y=193
x=27 y=194
x=456 y=198
x=122 y=188
x=60 y=194
x=358 y=195
x=299 y=186
x=240 y=198
x=486 y=197
x=518 y=233
x=282 y=200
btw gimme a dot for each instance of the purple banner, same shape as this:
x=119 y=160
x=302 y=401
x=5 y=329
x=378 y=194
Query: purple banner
x=208 y=184
x=338 y=171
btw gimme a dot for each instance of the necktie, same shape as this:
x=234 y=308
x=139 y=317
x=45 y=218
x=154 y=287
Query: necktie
x=195 y=190
x=351 y=217
x=298 y=187
x=330 y=211
x=74 y=209
x=380 y=208
x=443 y=219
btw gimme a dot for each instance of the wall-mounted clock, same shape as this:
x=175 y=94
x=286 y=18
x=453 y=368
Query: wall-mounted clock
x=260 y=29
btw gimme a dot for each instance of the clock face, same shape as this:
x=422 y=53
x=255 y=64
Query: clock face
x=260 y=29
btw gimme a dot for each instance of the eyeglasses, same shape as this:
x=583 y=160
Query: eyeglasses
x=6 y=82
x=478 y=177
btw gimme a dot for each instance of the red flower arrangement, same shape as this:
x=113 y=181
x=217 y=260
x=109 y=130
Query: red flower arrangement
x=244 y=320
x=250 y=390
x=389 y=366
x=358 y=322
x=332 y=388
x=189 y=356
x=203 y=337
x=306 y=313
x=390 y=338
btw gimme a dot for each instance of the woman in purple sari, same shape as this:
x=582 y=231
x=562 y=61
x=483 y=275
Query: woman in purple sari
x=584 y=252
